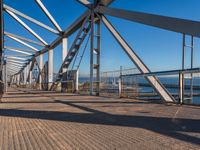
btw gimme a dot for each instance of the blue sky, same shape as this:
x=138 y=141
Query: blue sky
x=159 y=49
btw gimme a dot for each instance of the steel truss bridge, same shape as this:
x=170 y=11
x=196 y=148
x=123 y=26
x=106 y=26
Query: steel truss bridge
x=20 y=68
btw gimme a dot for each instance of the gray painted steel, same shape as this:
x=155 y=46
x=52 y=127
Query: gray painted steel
x=173 y=24
x=162 y=91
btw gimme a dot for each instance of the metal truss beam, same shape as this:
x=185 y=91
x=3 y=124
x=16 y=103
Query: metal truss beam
x=14 y=69
x=26 y=26
x=106 y=2
x=165 y=95
x=15 y=64
x=18 y=51
x=31 y=19
x=85 y=3
x=17 y=55
x=168 y=23
x=24 y=39
x=69 y=31
x=16 y=58
x=47 y=13
x=14 y=61
x=10 y=71
x=22 y=42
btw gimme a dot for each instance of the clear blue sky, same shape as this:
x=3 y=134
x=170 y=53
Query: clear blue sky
x=159 y=49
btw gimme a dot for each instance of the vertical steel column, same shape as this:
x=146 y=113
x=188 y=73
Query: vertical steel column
x=98 y=23
x=41 y=67
x=1 y=46
x=30 y=73
x=50 y=68
x=181 y=96
x=30 y=78
x=91 y=52
x=64 y=50
x=77 y=81
x=183 y=67
x=64 y=54
x=25 y=72
x=192 y=63
x=120 y=82
x=5 y=75
x=18 y=79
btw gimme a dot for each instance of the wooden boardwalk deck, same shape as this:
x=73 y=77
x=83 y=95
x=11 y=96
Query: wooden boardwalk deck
x=42 y=120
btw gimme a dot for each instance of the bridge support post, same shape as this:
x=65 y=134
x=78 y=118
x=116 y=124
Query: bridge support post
x=1 y=46
x=95 y=54
x=18 y=79
x=41 y=67
x=64 y=51
x=25 y=72
x=181 y=88
x=50 y=68
x=64 y=54
x=5 y=77
x=91 y=52
x=30 y=74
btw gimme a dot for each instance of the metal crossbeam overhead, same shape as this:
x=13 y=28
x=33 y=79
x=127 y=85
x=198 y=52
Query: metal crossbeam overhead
x=86 y=3
x=17 y=55
x=47 y=13
x=138 y=62
x=168 y=23
x=20 y=62
x=24 y=39
x=22 y=42
x=26 y=26
x=106 y=2
x=31 y=19
x=15 y=64
x=18 y=51
x=16 y=58
x=10 y=71
x=70 y=30
x=14 y=69
x=12 y=66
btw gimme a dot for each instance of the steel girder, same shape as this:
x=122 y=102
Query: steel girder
x=30 y=19
x=47 y=13
x=168 y=23
x=24 y=39
x=26 y=26
x=138 y=62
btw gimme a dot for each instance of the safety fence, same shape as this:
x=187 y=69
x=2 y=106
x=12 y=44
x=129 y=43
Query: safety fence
x=183 y=85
